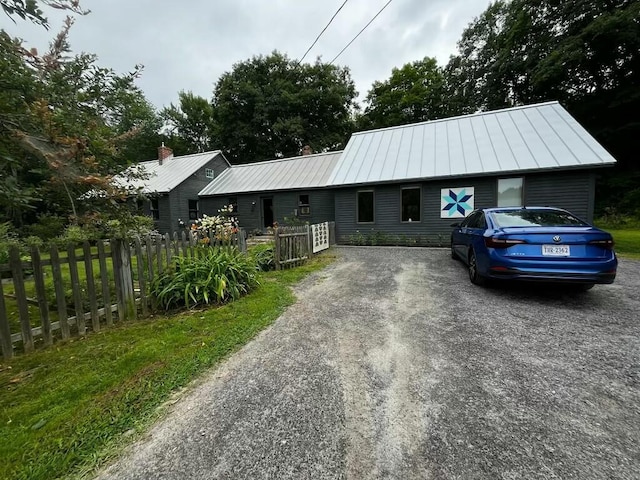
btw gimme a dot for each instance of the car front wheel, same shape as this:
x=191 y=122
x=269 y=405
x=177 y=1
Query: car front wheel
x=474 y=276
x=453 y=252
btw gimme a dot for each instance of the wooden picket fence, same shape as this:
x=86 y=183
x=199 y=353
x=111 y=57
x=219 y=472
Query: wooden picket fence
x=295 y=244
x=106 y=283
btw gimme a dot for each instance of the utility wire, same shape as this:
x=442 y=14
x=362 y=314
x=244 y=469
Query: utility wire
x=323 y=30
x=365 y=27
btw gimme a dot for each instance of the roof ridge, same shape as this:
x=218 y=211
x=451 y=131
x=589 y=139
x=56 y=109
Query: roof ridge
x=276 y=160
x=457 y=117
x=174 y=157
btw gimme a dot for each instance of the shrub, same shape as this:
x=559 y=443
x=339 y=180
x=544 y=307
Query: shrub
x=74 y=234
x=47 y=227
x=137 y=225
x=212 y=276
x=7 y=240
x=264 y=257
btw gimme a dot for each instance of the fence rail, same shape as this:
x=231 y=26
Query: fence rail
x=65 y=293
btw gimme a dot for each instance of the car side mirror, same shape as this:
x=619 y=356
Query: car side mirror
x=455 y=224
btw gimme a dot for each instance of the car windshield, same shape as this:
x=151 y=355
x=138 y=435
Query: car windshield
x=535 y=218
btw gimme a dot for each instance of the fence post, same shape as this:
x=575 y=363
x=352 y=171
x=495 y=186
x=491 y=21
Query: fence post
x=38 y=277
x=5 y=331
x=122 y=273
x=309 y=241
x=276 y=248
x=59 y=288
x=75 y=287
x=21 y=298
x=332 y=233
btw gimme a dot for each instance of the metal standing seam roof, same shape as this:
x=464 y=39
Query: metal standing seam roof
x=173 y=171
x=534 y=137
x=306 y=171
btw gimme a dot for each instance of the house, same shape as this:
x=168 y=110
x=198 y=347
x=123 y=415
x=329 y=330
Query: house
x=172 y=185
x=286 y=190
x=413 y=181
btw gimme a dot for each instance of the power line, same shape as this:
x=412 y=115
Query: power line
x=365 y=27
x=323 y=30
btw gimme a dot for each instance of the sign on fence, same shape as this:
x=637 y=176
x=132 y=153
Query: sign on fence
x=320 y=236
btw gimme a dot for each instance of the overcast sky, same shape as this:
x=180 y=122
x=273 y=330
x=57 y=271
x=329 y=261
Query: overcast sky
x=188 y=45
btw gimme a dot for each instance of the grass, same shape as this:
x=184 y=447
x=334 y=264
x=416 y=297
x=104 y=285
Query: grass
x=626 y=233
x=627 y=243
x=66 y=410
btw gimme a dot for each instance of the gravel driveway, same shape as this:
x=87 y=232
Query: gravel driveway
x=392 y=365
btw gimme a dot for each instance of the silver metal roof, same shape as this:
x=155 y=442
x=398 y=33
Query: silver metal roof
x=173 y=171
x=542 y=136
x=306 y=171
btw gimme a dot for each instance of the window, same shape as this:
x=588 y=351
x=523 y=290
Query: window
x=475 y=220
x=208 y=172
x=193 y=209
x=510 y=192
x=303 y=204
x=411 y=204
x=233 y=204
x=365 y=202
x=155 y=211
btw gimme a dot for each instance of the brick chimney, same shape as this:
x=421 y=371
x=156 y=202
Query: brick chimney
x=164 y=153
x=306 y=150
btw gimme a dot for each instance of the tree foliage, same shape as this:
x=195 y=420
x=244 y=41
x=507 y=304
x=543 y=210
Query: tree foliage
x=271 y=106
x=413 y=93
x=583 y=53
x=30 y=9
x=190 y=124
x=64 y=122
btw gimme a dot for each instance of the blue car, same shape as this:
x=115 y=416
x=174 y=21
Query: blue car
x=533 y=243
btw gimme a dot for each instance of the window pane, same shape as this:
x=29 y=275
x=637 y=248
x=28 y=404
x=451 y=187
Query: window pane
x=411 y=204
x=303 y=200
x=365 y=207
x=510 y=192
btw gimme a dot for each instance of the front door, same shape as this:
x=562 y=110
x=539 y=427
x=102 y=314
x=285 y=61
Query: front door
x=267 y=212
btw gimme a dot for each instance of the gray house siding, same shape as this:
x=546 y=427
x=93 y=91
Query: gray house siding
x=175 y=205
x=249 y=207
x=387 y=210
x=572 y=190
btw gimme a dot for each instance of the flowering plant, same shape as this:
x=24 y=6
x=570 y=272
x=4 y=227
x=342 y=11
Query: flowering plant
x=222 y=226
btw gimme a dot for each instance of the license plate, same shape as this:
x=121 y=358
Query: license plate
x=556 y=250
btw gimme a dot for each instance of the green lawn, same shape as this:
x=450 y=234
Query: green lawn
x=627 y=242
x=67 y=409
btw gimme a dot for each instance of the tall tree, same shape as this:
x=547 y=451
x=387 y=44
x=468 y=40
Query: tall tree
x=413 y=93
x=583 y=53
x=61 y=120
x=271 y=106
x=190 y=124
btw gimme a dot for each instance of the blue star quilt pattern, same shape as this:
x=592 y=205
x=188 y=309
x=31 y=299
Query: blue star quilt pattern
x=456 y=202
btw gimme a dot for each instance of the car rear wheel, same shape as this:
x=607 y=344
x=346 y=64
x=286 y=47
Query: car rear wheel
x=474 y=276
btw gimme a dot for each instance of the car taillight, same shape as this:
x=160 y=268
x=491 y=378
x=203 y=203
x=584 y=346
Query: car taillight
x=607 y=243
x=497 y=242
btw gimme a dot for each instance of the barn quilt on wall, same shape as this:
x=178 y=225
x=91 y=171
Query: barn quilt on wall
x=456 y=202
